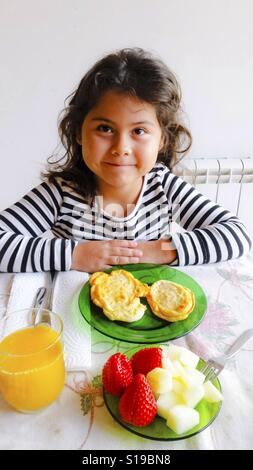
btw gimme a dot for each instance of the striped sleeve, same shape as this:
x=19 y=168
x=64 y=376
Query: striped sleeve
x=212 y=233
x=23 y=248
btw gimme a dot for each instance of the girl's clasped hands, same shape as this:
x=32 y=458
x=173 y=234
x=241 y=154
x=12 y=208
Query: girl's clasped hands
x=102 y=254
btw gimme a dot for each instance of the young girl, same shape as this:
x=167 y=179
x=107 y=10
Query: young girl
x=113 y=198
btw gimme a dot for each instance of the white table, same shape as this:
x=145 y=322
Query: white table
x=229 y=290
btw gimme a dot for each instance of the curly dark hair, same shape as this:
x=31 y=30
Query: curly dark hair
x=133 y=72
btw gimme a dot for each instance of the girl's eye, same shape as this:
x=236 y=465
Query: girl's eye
x=140 y=129
x=103 y=128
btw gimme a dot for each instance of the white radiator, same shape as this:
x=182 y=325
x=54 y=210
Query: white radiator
x=227 y=181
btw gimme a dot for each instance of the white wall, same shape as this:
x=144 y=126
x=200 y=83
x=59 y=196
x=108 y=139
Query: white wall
x=47 y=45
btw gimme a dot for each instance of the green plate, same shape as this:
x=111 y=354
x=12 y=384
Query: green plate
x=150 y=329
x=158 y=430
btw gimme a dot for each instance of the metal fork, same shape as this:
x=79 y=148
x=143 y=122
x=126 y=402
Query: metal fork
x=213 y=367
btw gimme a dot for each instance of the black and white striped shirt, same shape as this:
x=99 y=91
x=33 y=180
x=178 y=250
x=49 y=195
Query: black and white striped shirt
x=40 y=232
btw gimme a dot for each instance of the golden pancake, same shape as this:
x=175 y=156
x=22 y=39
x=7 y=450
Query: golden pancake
x=170 y=301
x=118 y=295
x=127 y=313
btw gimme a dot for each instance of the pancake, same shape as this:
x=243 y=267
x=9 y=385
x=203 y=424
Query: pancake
x=170 y=301
x=118 y=294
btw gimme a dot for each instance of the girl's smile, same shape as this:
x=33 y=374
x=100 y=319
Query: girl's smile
x=120 y=138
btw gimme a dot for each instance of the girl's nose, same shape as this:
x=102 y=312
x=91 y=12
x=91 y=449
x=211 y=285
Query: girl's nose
x=118 y=153
x=121 y=148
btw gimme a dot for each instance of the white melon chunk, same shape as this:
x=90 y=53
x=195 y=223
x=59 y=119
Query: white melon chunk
x=192 y=396
x=196 y=376
x=191 y=378
x=182 y=418
x=174 y=351
x=178 y=369
x=160 y=380
x=211 y=393
x=167 y=401
x=188 y=358
x=178 y=386
x=168 y=364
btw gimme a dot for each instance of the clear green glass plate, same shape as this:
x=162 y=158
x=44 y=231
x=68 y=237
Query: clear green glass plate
x=158 y=430
x=150 y=329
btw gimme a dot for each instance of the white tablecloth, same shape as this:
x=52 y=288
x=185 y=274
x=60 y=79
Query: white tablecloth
x=64 y=425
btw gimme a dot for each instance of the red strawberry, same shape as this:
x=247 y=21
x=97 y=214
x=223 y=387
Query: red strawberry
x=117 y=374
x=137 y=405
x=146 y=359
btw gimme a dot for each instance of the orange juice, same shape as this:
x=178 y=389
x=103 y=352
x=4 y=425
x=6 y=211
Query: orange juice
x=32 y=372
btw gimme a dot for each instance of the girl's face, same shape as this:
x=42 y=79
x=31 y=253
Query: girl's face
x=120 y=138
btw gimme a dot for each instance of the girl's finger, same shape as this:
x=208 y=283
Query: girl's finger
x=127 y=252
x=123 y=260
x=124 y=243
